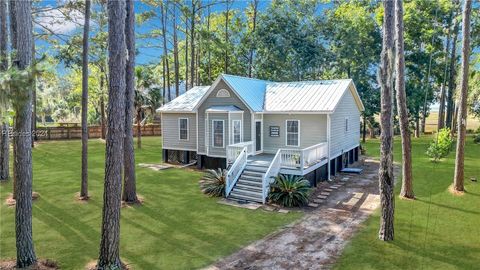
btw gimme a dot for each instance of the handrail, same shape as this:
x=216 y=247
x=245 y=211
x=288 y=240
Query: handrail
x=233 y=150
x=271 y=172
x=302 y=158
x=235 y=171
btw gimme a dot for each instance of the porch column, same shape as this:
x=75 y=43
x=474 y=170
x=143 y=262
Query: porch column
x=328 y=142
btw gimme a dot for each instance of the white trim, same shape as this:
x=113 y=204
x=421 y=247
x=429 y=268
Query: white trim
x=232 y=131
x=358 y=101
x=159 y=111
x=228 y=128
x=179 y=149
x=162 y=129
x=188 y=129
x=329 y=122
x=196 y=131
x=223 y=93
x=286 y=133
x=223 y=133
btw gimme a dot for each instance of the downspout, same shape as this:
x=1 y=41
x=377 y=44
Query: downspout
x=328 y=141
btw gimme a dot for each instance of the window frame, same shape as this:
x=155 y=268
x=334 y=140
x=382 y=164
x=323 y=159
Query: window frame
x=286 y=132
x=213 y=133
x=240 y=131
x=180 y=128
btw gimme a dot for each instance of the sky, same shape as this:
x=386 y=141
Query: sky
x=149 y=50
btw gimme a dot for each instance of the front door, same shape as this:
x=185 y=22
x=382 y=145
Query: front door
x=258 y=136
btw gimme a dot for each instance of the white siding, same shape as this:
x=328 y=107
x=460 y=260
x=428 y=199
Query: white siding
x=344 y=140
x=313 y=130
x=170 y=131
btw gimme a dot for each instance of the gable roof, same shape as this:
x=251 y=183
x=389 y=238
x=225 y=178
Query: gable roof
x=265 y=96
x=185 y=102
x=307 y=96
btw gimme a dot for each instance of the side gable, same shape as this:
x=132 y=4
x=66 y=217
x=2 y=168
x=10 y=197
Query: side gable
x=352 y=90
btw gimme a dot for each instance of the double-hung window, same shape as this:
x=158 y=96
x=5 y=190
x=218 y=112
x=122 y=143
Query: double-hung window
x=293 y=133
x=237 y=131
x=218 y=133
x=183 y=128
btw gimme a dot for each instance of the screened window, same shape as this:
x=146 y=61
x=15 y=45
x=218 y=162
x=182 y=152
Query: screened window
x=293 y=128
x=218 y=132
x=346 y=124
x=237 y=131
x=183 y=128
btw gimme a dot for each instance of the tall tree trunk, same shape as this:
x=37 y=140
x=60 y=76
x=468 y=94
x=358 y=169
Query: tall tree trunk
x=417 y=126
x=407 y=178
x=110 y=242
x=192 y=44
x=129 y=182
x=227 y=14
x=385 y=172
x=462 y=111
x=164 y=10
x=451 y=80
x=254 y=24
x=139 y=127
x=23 y=123
x=209 y=53
x=186 y=54
x=13 y=37
x=441 y=110
x=164 y=82
x=34 y=100
x=4 y=140
x=86 y=30
x=175 y=52
x=102 y=101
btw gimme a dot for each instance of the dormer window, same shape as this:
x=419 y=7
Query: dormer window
x=223 y=93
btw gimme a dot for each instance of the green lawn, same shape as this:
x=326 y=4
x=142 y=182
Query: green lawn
x=437 y=231
x=176 y=228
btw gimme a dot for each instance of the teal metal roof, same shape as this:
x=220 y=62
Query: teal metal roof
x=251 y=91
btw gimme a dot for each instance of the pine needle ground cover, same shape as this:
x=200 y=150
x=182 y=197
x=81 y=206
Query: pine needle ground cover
x=177 y=227
x=436 y=231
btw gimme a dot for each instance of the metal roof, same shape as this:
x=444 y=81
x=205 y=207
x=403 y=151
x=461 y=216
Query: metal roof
x=229 y=108
x=250 y=90
x=307 y=96
x=265 y=96
x=185 y=102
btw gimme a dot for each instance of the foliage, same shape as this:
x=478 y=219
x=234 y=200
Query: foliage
x=476 y=138
x=441 y=146
x=214 y=182
x=290 y=190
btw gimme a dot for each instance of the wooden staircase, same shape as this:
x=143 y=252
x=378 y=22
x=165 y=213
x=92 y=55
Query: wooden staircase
x=249 y=186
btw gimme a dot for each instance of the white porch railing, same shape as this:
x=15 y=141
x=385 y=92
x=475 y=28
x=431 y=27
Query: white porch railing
x=304 y=158
x=295 y=159
x=271 y=172
x=234 y=150
x=235 y=171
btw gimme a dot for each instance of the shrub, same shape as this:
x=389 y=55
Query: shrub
x=440 y=147
x=214 y=182
x=476 y=138
x=289 y=190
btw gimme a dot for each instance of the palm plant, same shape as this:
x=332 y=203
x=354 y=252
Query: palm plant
x=214 y=182
x=289 y=190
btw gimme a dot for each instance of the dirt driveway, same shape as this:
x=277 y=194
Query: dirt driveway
x=317 y=240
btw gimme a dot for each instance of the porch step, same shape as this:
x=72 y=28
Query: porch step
x=251 y=178
x=249 y=183
x=255 y=169
x=239 y=197
x=253 y=174
x=247 y=187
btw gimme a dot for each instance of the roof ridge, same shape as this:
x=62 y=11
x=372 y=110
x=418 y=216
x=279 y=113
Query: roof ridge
x=311 y=81
x=248 y=78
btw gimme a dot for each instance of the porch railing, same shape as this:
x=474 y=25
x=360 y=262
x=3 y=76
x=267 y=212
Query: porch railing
x=235 y=171
x=233 y=150
x=304 y=158
x=271 y=172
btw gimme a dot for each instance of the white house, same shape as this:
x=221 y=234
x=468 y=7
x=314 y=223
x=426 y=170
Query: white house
x=258 y=129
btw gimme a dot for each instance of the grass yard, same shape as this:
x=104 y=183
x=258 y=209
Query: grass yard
x=176 y=228
x=437 y=231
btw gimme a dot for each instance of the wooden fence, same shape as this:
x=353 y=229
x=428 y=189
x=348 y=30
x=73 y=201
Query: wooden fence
x=66 y=133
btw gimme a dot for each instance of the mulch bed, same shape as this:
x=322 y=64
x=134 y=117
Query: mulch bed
x=10 y=201
x=42 y=264
x=93 y=266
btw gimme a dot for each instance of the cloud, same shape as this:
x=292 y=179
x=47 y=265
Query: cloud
x=59 y=21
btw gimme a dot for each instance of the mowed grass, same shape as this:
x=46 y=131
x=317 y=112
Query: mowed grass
x=436 y=231
x=177 y=227
x=432 y=121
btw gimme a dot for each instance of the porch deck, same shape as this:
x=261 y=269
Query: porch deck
x=261 y=159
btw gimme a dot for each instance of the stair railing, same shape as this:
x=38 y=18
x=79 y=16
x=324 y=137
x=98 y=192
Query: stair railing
x=270 y=174
x=235 y=171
